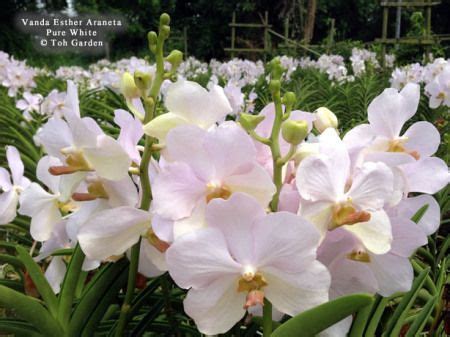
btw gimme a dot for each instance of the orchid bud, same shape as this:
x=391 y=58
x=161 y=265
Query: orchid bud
x=289 y=99
x=249 y=122
x=164 y=31
x=175 y=58
x=128 y=87
x=142 y=80
x=294 y=132
x=274 y=86
x=276 y=68
x=325 y=119
x=164 y=19
x=152 y=41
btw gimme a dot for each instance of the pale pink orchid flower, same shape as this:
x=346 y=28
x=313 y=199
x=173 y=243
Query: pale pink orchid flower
x=29 y=103
x=11 y=185
x=410 y=152
x=204 y=165
x=335 y=197
x=188 y=103
x=81 y=144
x=130 y=133
x=243 y=256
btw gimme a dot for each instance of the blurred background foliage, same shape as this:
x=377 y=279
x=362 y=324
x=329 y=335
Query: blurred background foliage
x=208 y=33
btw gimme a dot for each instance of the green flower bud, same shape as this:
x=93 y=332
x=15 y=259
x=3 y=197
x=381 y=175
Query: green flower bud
x=294 y=132
x=164 y=31
x=164 y=19
x=175 y=58
x=325 y=119
x=274 y=86
x=152 y=41
x=276 y=68
x=250 y=122
x=289 y=99
x=143 y=81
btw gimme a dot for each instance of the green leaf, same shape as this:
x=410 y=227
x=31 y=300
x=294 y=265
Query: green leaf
x=419 y=323
x=395 y=323
x=30 y=310
x=39 y=280
x=420 y=213
x=315 y=320
x=18 y=328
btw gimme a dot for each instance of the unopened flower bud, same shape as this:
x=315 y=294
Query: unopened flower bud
x=175 y=58
x=128 y=87
x=164 y=31
x=289 y=99
x=276 y=68
x=294 y=132
x=274 y=86
x=142 y=80
x=250 y=122
x=152 y=41
x=164 y=19
x=325 y=119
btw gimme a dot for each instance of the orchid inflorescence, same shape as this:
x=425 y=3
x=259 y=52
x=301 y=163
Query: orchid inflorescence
x=270 y=213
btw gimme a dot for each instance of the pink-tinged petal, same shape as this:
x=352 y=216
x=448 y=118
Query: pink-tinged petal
x=340 y=329
x=294 y=293
x=130 y=133
x=22 y=104
x=349 y=277
x=336 y=243
x=121 y=193
x=8 y=206
x=42 y=173
x=15 y=164
x=335 y=150
x=198 y=258
x=152 y=262
x=393 y=273
x=44 y=221
x=108 y=158
x=71 y=101
x=284 y=240
x=427 y=175
x=35 y=198
x=163 y=228
x=315 y=180
x=408 y=236
x=319 y=213
x=391 y=159
x=389 y=111
x=372 y=186
x=430 y=221
x=217 y=307
x=180 y=147
x=68 y=183
x=423 y=137
x=220 y=106
x=255 y=182
x=160 y=126
x=289 y=199
x=54 y=136
x=58 y=239
x=229 y=147
x=177 y=185
x=82 y=215
x=89 y=264
x=191 y=223
x=5 y=180
x=234 y=218
x=359 y=136
x=112 y=232
x=375 y=234
x=55 y=273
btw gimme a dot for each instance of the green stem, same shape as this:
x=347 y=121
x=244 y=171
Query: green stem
x=267 y=318
x=275 y=149
x=150 y=107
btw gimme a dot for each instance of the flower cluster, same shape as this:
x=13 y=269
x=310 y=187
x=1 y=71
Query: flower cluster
x=15 y=75
x=276 y=207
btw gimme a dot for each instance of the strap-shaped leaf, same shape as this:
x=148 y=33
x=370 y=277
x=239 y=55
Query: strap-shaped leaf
x=30 y=310
x=18 y=328
x=419 y=323
x=395 y=323
x=39 y=280
x=315 y=320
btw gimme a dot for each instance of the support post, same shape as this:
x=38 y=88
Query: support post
x=266 y=32
x=384 y=36
x=233 y=34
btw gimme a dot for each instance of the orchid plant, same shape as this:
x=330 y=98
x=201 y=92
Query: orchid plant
x=268 y=216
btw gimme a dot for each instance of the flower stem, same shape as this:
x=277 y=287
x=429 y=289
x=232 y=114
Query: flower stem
x=267 y=318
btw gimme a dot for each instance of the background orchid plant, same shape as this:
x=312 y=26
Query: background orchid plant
x=191 y=215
